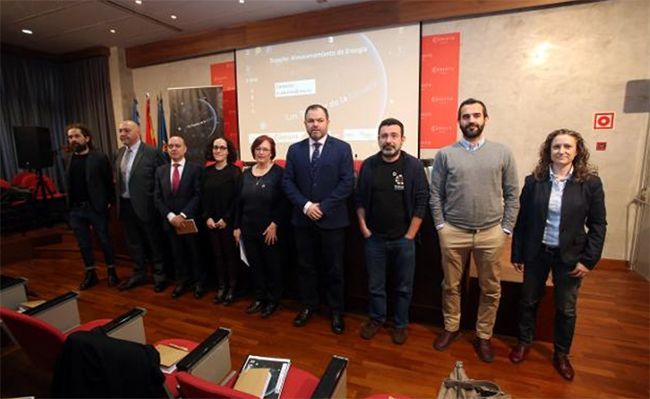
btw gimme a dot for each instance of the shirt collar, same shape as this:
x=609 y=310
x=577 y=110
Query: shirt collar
x=470 y=146
x=180 y=163
x=553 y=177
x=134 y=147
x=321 y=141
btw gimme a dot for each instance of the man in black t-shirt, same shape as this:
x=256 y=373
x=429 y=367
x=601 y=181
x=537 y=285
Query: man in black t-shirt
x=89 y=184
x=391 y=198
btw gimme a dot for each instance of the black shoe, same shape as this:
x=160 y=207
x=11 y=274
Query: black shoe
x=132 y=283
x=254 y=307
x=230 y=297
x=159 y=286
x=303 y=317
x=90 y=279
x=179 y=290
x=199 y=291
x=337 y=324
x=269 y=309
x=113 y=280
x=221 y=295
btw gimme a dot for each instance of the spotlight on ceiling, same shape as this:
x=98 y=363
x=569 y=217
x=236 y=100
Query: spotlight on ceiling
x=112 y=31
x=173 y=16
x=27 y=31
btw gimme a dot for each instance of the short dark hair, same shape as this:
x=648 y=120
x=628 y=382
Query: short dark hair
x=259 y=140
x=472 y=101
x=232 y=150
x=317 y=106
x=391 y=122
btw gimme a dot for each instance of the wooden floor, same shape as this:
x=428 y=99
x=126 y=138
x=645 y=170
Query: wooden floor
x=610 y=353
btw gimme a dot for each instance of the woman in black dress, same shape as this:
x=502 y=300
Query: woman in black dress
x=260 y=212
x=220 y=186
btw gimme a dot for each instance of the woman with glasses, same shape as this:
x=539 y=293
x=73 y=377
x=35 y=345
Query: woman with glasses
x=220 y=186
x=260 y=212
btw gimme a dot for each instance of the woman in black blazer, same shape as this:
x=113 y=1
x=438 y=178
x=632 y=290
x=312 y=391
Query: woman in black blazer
x=560 y=198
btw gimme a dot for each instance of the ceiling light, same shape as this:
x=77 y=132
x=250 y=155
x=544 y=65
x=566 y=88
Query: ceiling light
x=112 y=31
x=242 y=1
x=27 y=31
x=138 y=2
x=173 y=16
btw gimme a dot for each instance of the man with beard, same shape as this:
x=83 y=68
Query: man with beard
x=474 y=206
x=391 y=200
x=89 y=184
x=318 y=179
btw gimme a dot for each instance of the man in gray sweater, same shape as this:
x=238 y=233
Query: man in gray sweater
x=474 y=206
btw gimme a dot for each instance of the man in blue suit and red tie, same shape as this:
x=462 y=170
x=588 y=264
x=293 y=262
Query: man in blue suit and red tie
x=318 y=179
x=177 y=195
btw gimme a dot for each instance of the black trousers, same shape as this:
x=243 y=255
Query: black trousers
x=140 y=237
x=267 y=268
x=320 y=253
x=226 y=256
x=187 y=260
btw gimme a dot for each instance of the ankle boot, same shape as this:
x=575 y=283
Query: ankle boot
x=221 y=295
x=113 y=280
x=90 y=279
x=230 y=296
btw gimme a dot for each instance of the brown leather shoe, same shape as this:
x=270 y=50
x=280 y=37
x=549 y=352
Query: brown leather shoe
x=445 y=339
x=563 y=366
x=518 y=353
x=369 y=328
x=484 y=350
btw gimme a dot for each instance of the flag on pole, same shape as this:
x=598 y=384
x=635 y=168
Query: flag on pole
x=135 y=115
x=162 y=127
x=149 y=137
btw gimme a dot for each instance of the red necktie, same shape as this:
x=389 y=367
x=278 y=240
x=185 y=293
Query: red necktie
x=176 y=178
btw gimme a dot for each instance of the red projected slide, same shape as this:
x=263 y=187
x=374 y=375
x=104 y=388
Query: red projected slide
x=439 y=90
x=223 y=74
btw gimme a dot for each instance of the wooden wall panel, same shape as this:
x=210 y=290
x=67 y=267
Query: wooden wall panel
x=371 y=14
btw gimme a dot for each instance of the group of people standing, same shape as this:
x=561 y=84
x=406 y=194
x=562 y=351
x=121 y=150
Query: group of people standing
x=473 y=198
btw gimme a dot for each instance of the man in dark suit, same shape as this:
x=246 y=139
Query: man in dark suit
x=318 y=179
x=135 y=167
x=89 y=184
x=177 y=196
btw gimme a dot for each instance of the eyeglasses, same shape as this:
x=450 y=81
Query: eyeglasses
x=262 y=149
x=219 y=147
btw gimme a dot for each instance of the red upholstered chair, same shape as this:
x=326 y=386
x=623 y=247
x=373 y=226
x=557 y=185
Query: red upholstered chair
x=299 y=384
x=19 y=177
x=170 y=378
x=281 y=162
x=357 y=166
x=39 y=339
x=4 y=185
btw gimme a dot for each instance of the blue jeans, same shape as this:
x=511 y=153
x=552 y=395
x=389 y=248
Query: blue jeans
x=81 y=220
x=565 y=295
x=400 y=256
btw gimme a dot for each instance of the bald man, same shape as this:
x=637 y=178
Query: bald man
x=135 y=167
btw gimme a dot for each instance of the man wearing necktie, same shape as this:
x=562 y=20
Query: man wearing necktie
x=135 y=167
x=177 y=196
x=318 y=179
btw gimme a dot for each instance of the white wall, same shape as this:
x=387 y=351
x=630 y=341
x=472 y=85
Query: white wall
x=592 y=50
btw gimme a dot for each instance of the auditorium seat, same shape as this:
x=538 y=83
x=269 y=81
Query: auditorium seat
x=41 y=331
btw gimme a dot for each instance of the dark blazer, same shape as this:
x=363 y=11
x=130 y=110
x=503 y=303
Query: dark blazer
x=141 y=180
x=187 y=198
x=99 y=179
x=331 y=185
x=583 y=204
